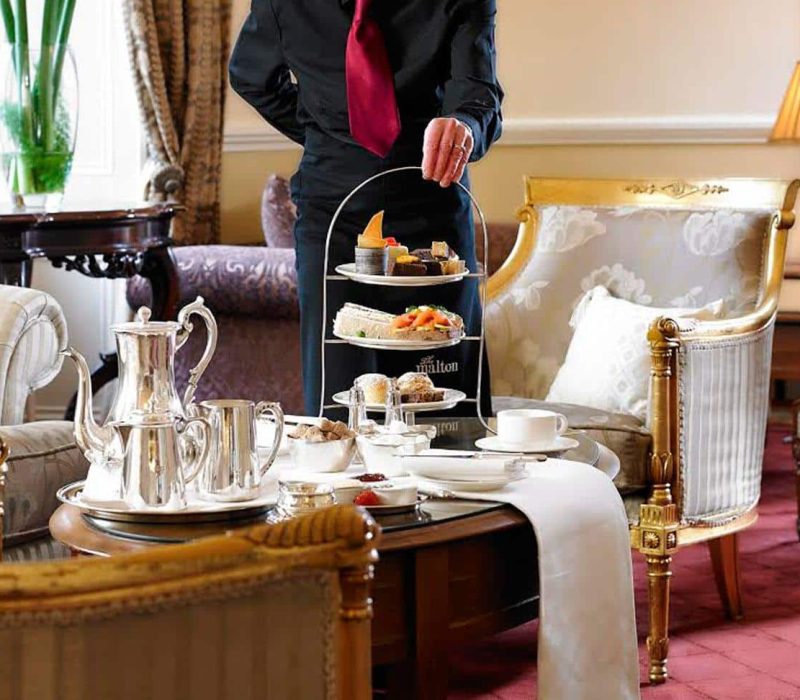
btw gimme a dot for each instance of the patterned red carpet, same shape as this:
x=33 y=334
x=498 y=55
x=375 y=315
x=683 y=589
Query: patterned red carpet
x=757 y=659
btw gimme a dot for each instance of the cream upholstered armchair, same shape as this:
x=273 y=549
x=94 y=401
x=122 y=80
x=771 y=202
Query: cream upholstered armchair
x=273 y=612
x=42 y=455
x=691 y=463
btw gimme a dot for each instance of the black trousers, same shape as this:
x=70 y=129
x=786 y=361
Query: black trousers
x=417 y=213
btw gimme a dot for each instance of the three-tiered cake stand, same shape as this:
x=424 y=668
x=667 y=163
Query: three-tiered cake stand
x=347 y=273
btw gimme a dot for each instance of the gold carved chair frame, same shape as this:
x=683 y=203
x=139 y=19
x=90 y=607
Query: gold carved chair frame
x=660 y=531
x=340 y=540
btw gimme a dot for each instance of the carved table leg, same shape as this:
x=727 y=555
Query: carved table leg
x=796 y=456
x=106 y=372
x=16 y=273
x=658 y=576
x=159 y=268
x=432 y=611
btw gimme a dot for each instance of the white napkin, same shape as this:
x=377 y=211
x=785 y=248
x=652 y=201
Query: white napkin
x=587 y=626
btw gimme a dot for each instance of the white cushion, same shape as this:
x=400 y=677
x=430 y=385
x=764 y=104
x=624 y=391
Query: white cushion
x=608 y=360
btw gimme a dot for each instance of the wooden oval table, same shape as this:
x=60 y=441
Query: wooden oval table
x=452 y=572
x=468 y=572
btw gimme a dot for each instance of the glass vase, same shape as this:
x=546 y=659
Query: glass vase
x=38 y=122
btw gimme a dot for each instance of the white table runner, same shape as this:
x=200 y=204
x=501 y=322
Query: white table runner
x=587 y=626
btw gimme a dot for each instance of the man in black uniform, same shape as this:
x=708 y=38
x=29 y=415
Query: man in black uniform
x=379 y=84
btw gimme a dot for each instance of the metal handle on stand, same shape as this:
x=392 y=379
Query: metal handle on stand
x=482 y=344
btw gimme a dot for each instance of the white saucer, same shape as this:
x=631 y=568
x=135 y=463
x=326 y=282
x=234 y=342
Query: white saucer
x=472 y=486
x=493 y=443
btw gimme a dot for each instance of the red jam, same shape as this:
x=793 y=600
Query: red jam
x=370 y=478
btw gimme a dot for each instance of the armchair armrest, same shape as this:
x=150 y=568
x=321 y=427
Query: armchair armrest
x=252 y=281
x=32 y=331
x=722 y=406
x=709 y=401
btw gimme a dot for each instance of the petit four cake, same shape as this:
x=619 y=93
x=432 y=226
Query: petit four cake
x=394 y=249
x=371 y=250
x=439 y=259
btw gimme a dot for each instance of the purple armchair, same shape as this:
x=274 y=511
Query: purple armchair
x=252 y=291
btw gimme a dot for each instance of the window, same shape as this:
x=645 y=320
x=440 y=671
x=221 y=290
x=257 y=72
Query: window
x=108 y=164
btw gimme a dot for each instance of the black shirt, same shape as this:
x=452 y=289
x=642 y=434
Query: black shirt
x=442 y=54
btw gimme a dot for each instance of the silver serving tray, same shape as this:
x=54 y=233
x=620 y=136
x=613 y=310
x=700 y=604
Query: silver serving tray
x=212 y=511
x=396 y=510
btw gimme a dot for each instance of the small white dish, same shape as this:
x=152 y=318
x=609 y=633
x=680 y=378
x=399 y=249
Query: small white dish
x=397 y=493
x=471 y=486
x=495 y=444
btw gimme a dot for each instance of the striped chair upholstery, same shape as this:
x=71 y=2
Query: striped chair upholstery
x=43 y=455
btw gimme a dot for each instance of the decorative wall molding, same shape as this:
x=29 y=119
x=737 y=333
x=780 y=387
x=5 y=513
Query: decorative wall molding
x=678 y=129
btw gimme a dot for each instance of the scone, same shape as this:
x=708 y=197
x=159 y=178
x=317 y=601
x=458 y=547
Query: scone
x=374 y=386
x=417 y=387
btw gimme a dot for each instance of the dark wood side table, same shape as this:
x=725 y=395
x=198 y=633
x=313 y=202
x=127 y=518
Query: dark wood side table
x=111 y=242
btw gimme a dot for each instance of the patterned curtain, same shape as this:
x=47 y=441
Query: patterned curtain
x=179 y=53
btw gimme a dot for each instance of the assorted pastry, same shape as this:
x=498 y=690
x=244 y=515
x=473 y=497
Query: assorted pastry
x=325 y=431
x=439 y=259
x=376 y=490
x=376 y=255
x=422 y=323
x=415 y=387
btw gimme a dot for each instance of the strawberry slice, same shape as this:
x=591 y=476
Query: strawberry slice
x=367 y=498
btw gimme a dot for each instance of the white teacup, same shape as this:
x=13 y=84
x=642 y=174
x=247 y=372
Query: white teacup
x=529 y=426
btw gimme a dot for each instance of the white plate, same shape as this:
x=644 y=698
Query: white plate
x=472 y=486
x=349 y=270
x=451 y=398
x=400 y=344
x=493 y=443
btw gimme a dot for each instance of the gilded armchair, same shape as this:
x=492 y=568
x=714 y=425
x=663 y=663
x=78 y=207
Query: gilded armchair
x=43 y=455
x=276 y=611
x=692 y=469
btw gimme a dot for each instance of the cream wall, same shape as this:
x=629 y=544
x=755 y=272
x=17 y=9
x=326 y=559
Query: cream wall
x=619 y=88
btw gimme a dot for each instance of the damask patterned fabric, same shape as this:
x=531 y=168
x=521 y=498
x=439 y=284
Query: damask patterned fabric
x=623 y=434
x=278 y=213
x=273 y=639
x=32 y=331
x=179 y=52
x=42 y=458
x=257 y=359
x=650 y=256
x=246 y=281
x=724 y=399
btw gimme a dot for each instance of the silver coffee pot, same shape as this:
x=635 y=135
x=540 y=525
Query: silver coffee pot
x=146 y=394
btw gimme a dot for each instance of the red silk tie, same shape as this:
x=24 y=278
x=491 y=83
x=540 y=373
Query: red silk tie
x=371 y=102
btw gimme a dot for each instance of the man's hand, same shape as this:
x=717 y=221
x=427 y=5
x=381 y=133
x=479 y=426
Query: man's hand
x=446 y=150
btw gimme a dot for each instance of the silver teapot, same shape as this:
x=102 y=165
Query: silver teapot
x=146 y=394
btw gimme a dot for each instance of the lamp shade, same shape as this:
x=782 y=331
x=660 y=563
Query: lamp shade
x=787 y=125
